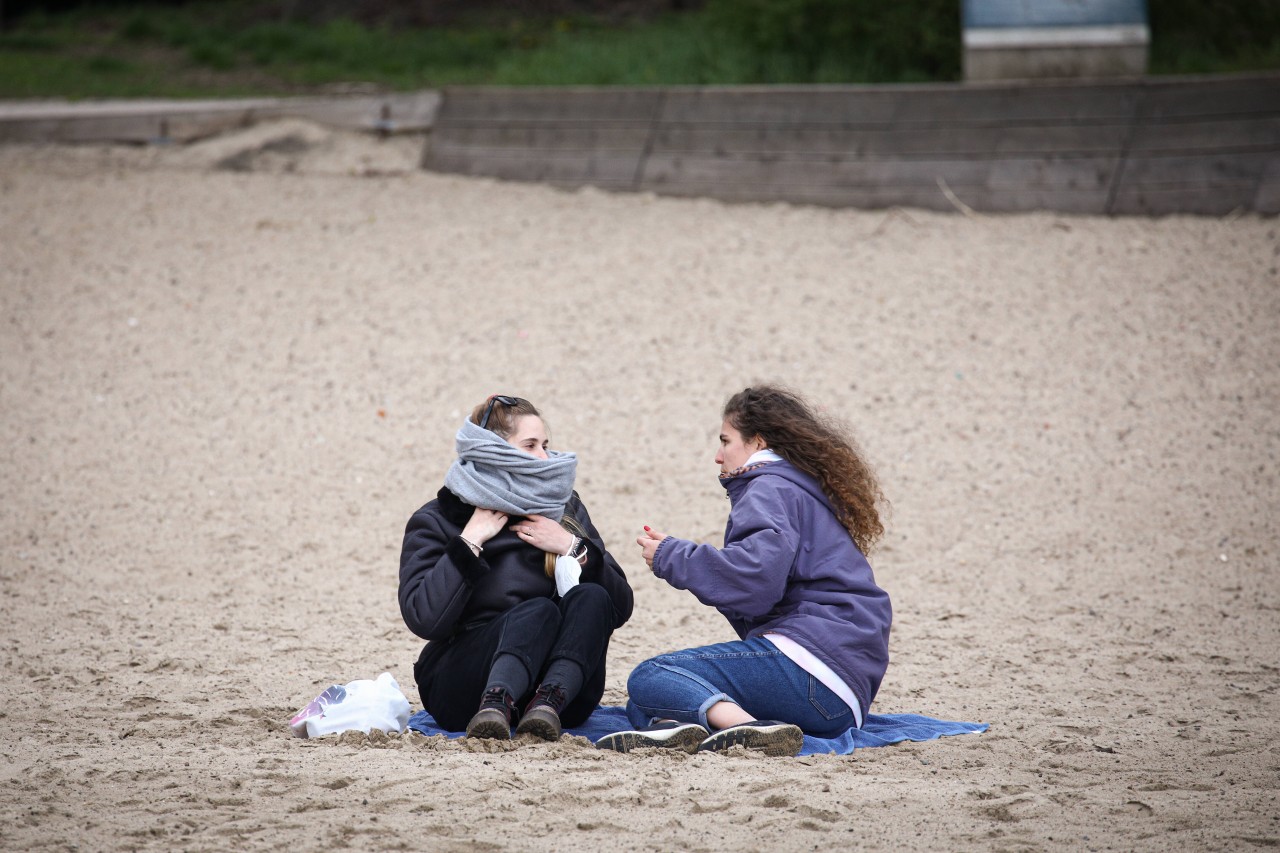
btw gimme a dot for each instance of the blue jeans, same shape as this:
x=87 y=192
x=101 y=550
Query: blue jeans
x=750 y=673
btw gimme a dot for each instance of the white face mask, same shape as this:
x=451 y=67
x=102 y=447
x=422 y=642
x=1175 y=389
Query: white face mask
x=568 y=572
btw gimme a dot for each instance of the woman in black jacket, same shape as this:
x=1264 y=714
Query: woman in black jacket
x=507 y=578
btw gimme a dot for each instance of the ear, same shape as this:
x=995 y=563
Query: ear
x=756 y=443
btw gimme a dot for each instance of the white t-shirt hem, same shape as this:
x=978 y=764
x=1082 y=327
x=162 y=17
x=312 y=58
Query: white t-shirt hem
x=807 y=661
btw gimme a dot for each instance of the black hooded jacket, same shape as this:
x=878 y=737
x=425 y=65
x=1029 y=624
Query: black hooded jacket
x=445 y=588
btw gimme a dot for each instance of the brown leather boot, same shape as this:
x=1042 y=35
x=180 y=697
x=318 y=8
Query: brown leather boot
x=542 y=716
x=493 y=720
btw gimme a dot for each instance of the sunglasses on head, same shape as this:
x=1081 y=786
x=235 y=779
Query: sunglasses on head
x=496 y=398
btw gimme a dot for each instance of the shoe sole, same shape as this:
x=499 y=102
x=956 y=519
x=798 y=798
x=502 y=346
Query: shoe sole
x=685 y=738
x=493 y=727
x=540 y=726
x=782 y=741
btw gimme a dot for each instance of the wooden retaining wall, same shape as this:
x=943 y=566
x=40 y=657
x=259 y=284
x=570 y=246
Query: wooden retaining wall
x=1205 y=145
x=151 y=122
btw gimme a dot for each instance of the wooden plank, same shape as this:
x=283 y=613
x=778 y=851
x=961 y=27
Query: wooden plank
x=137 y=129
x=899 y=106
x=779 y=107
x=562 y=136
x=600 y=168
x=1081 y=173
x=1078 y=186
x=997 y=147
x=889 y=143
x=892 y=195
x=1044 y=103
x=1267 y=198
x=829 y=195
x=549 y=105
x=1208 y=134
x=182 y=121
x=1212 y=183
x=403 y=112
x=1167 y=201
x=1189 y=98
x=1209 y=171
x=576 y=136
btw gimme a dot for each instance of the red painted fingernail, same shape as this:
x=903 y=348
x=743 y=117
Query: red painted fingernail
x=646 y=527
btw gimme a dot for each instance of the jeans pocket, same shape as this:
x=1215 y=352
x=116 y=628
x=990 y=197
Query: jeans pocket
x=826 y=702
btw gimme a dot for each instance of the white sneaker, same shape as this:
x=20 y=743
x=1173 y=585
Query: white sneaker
x=775 y=738
x=664 y=734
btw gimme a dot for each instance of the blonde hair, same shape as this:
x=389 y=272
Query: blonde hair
x=571 y=524
x=503 y=418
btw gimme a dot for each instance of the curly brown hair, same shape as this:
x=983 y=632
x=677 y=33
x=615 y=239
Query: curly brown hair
x=818 y=445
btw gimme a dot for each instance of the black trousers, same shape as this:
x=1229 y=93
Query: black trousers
x=453 y=673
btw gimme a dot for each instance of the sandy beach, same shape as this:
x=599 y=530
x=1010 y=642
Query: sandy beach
x=230 y=371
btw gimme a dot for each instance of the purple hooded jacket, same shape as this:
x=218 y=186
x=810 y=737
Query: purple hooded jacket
x=789 y=567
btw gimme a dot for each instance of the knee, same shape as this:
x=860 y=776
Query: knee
x=591 y=596
x=643 y=678
x=540 y=610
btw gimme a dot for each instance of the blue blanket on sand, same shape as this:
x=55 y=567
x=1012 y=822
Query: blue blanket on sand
x=878 y=730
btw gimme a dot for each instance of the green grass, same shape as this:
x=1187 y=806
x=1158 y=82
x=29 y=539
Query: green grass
x=1184 y=53
x=183 y=52
x=671 y=51
x=1195 y=37
x=227 y=48
x=692 y=49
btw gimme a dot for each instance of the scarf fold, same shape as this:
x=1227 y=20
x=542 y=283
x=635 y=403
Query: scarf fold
x=492 y=474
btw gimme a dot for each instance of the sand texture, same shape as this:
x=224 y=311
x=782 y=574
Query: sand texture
x=229 y=372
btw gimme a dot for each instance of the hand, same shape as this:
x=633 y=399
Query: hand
x=543 y=534
x=483 y=525
x=649 y=542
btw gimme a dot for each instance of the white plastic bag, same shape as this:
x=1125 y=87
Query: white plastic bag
x=361 y=706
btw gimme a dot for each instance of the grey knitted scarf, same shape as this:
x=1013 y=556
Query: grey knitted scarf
x=492 y=474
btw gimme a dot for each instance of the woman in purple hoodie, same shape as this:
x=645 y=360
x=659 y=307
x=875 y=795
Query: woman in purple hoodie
x=792 y=580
